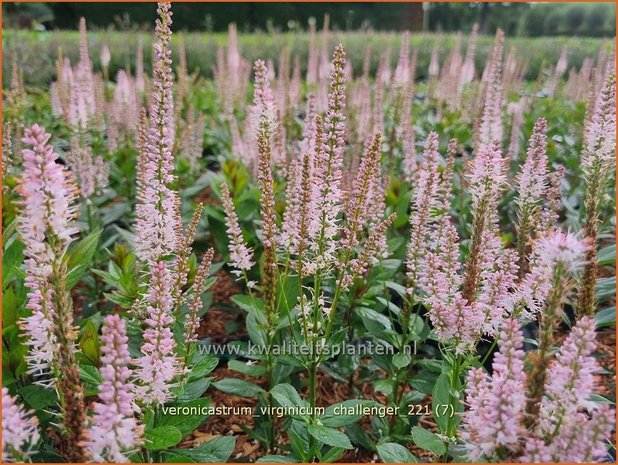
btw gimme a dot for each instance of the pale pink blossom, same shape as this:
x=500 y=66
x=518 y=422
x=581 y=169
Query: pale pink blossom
x=91 y=172
x=558 y=251
x=114 y=432
x=496 y=404
x=532 y=181
x=424 y=201
x=46 y=226
x=599 y=152
x=241 y=256
x=157 y=367
x=327 y=195
x=19 y=430
x=158 y=222
x=454 y=319
x=490 y=128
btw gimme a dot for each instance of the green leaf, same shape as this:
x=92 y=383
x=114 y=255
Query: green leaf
x=440 y=396
x=170 y=457
x=345 y=413
x=606 y=317
x=330 y=436
x=89 y=342
x=606 y=288
x=216 y=450
x=277 y=459
x=600 y=399
x=332 y=454
x=203 y=367
x=12 y=258
x=255 y=330
x=162 y=437
x=427 y=440
x=242 y=367
x=398 y=288
x=377 y=324
x=186 y=416
x=91 y=377
x=9 y=308
x=392 y=452
x=607 y=255
x=360 y=437
x=248 y=303
x=424 y=381
x=418 y=329
x=238 y=387
x=194 y=389
x=38 y=397
x=286 y=396
x=81 y=256
x=401 y=360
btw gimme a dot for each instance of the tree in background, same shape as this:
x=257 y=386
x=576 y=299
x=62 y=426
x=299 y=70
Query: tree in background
x=523 y=19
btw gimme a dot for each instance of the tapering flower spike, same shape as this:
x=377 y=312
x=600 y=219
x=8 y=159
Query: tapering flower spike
x=328 y=167
x=548 y=285
x=290 y=232
x=263 y=113
x=370 y=254
x=409 y=163
x=356 y=216
x=468 y=69
x=157 y=367
x=532 y=185
x=241 y=255
x=423 y=201
x=91 y=172
x=570 y=381
x=19 y=430
x=46 y=227
x=194 y=303
x=269 y=223
x=491 y=128
x=114 y=432
x=487 y=177
x=497 y=404
x=598 y=160
x=181 y=266
x=158 y=223
x=106 y=56
x=557 y=252
x=455 y=321
x=402 y=71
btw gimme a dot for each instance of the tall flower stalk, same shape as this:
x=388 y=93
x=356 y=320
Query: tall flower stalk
x=158 y=222
x=20 y=431
x=532 y=186
x=570 y=428
x=157 y=367
x=46 y=227
x=598 y=159
x=555 y=260
x=114 y=433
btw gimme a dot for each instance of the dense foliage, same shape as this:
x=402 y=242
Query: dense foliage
x=439 y=250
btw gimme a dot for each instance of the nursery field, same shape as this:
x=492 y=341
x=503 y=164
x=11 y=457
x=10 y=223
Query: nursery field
x=313 y=247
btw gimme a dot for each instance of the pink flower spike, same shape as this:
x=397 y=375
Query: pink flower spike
x=241 y=256
x=114 y=432
x=158 y=222
x=157 y=368
x=45 y=223
x=19 y=430
x=497 y=406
